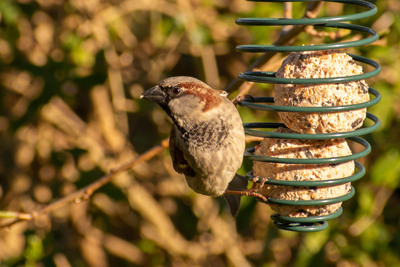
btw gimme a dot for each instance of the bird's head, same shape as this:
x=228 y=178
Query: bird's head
x=185 y=97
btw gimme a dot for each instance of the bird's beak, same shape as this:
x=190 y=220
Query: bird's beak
x=154 y=94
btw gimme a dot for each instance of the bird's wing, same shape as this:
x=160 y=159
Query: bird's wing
x=178 y=159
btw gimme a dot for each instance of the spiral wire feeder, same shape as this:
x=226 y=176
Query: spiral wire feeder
x=311 y=223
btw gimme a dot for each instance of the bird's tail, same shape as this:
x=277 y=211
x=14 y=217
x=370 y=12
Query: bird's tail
x=239 y=183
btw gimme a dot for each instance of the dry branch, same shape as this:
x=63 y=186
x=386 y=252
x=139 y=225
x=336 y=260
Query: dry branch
x=286 y=36
x=84 y=193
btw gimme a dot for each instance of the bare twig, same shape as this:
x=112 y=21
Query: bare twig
x=287 y=14
x=312 y=11
x=84 y=193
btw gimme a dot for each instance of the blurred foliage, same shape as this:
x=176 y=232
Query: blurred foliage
x=71 y=73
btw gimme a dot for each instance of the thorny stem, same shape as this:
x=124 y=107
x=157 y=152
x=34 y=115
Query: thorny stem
x=286 y=35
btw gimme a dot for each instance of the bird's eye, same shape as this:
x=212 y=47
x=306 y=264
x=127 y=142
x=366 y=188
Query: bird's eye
x=176 y=90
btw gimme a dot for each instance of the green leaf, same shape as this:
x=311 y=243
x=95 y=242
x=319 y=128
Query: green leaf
x=386 y=170
x=9 y=12
x=34 y=250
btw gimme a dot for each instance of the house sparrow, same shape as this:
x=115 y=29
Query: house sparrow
x=207 y=139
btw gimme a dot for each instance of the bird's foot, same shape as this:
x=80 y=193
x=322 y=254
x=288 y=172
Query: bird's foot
x=258 y=182
x=249 y=192
x=240 y=98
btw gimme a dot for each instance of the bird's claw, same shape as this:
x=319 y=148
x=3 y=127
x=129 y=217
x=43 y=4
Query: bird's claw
x=240 y=98
x=249 y=193
x=258 y=183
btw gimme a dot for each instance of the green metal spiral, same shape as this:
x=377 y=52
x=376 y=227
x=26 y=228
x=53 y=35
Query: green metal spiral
x=312 y=223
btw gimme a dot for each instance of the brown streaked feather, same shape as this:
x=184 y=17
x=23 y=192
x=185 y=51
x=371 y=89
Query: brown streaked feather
x=210 y=97
x=179 y=162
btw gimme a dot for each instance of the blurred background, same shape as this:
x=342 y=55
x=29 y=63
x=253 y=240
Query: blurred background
x=71 y=74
